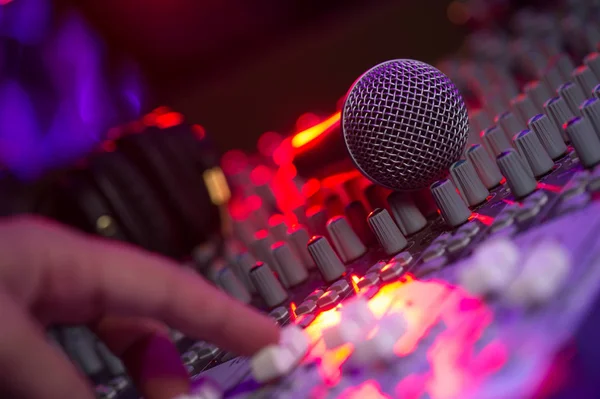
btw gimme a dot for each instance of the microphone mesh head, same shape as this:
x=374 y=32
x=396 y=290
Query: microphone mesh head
x=404 y=123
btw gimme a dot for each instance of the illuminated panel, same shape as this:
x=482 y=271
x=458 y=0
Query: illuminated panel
x=304 y=137
x=455 y=365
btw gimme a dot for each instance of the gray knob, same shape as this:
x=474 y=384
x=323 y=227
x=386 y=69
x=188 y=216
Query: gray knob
x=520 y=181
x=229 y=282
x=592 y=61
x=451 y=205
x=590 y=109
x=406 y=213
x=565 y=65
x=510 y=124
x=295 y=273
x=267 y=285
x=584 y=140
x=573 y=96
x=265 y=193
x=549 y=135
x=262 y=250
x=317 y=219
x=300 y=213
x=386 y=231
x=496 y=140
x=553 y=78
x=468 y=183
x=523 y=107
x=114 y=365
x=298 y=238
x=596 y=92
x=278 y=227
x=585 y=79
x=557 y=109
x=328 y=263
x=243 y=263
x=79 y=345
x=486 y=168
x=538 y=93
x=481 y=120
x=345 y=240
x=533 y=152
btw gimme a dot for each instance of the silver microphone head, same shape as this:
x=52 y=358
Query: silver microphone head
x=404 y=123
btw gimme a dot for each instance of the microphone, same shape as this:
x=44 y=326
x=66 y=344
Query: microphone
x=404 y=123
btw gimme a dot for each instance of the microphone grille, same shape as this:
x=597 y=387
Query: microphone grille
x=404 y=123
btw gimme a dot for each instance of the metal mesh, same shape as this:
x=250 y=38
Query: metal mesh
x=404 y=124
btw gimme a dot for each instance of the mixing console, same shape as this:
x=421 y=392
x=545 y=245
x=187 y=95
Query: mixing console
x=482 y=286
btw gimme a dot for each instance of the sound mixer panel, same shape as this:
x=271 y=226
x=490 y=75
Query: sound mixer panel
x=447 y=272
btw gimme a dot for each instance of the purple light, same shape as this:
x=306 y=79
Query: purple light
x=84 y=104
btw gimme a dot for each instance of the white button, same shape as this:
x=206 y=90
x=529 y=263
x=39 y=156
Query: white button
x=295 y=339
x=272 y=362
x=491 y=268
x=544 y=272
x=380 y=347
x=357 y=309
x=346 y=332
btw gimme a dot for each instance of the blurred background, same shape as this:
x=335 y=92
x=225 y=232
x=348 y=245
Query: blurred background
x=70 y=71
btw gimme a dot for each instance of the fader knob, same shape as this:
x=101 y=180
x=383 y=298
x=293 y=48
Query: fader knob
x=232 y=285
x=573 y=96
x=408 y=216
x=538 y=93
x=328 y=263
x=558 y=110
x=387 y=232
x=469 y=184
x=267 y=285
x=591 y=111
x=585 y=79
x=496 y=140
x=520 y=181
x=549 y=136
x=532 y=151
x=357 y=217
x=298 y=237
x=511 y=125
x=592 y=61
x=523 y=107
x=451 y=205
x=262 y=249
x=485 y=167
x=291 y=266
x=345 y=240
x=317 y=219
x=244 y=262
x=584 y=140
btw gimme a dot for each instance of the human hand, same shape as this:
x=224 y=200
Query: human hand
x=50 y=274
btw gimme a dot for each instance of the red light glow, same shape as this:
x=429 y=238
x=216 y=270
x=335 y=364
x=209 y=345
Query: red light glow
x=309 y=135
x=485 y=219
x=261 y=175
x=549 y=187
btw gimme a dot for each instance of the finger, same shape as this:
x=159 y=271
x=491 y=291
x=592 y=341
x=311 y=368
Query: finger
x=75 y=278
x=151 y=359
x=30 y=366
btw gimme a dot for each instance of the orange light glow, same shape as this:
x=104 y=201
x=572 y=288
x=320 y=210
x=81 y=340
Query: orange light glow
x=355 y=279
x=293 y=311
x=306 y=136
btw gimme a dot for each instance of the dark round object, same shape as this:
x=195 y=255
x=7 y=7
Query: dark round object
x=404 y=123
